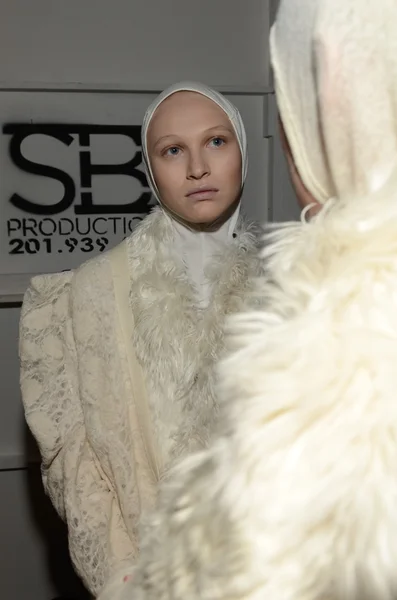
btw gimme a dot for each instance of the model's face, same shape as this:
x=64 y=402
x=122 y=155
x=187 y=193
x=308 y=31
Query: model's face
x=195 y=157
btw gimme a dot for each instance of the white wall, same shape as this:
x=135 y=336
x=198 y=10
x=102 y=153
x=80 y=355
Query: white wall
x=134 y=44
x=128 y=47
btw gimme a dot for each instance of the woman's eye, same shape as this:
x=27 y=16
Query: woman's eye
x=217 y=142
x=174 y=151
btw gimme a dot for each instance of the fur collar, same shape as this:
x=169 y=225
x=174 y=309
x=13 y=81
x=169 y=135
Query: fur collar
x=177 y=342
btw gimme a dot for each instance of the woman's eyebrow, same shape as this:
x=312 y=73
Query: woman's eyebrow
x=217 y=127
x=175 y=135
x=163 y=138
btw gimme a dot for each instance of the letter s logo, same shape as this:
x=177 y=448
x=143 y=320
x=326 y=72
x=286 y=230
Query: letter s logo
x=19 y=134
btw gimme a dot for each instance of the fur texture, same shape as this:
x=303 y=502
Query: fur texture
x=178 y=342
x=297 y=497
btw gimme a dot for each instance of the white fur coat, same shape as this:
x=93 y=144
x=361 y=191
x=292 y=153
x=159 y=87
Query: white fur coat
x=77 y=393
x=297 y=497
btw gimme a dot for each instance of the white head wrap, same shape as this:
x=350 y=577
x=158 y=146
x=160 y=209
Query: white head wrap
x=335 y=65
x=221 y=101
x=197 y=248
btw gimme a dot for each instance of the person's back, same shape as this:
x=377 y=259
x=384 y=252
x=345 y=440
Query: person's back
x=296 y=498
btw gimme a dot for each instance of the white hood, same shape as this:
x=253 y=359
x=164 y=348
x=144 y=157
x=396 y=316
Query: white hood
x=197 y=248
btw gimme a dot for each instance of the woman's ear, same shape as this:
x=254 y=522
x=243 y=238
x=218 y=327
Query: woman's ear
x=305 y=198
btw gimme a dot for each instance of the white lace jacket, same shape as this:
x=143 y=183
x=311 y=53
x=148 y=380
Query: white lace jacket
x=77 y=391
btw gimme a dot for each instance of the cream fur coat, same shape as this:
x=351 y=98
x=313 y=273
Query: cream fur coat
x=77 y=391
x=297 y=497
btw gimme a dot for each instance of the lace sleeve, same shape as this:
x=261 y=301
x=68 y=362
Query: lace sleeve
x=72 y=476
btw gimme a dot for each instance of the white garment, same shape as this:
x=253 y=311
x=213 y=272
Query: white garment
x=336 y=87
x=79 y=398
x=198 y=248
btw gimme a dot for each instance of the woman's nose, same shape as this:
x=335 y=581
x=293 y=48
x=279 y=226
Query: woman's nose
x=198 y=166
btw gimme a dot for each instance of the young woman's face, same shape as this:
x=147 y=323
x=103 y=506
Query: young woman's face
x=195 y=157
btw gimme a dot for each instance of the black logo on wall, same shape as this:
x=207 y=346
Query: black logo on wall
x=42 y=229
x=64 y=134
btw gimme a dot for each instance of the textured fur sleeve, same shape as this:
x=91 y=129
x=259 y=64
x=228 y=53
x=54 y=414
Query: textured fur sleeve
x=296 y=497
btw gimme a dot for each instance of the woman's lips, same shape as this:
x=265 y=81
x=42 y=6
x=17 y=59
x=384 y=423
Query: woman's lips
x=202 y=193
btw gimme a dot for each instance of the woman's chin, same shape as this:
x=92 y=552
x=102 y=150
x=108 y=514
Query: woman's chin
x=207 y=212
